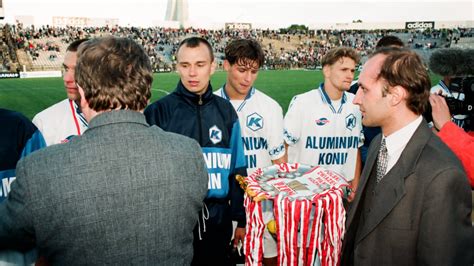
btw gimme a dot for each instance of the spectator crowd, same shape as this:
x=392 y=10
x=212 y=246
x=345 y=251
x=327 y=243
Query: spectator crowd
x=283 y=49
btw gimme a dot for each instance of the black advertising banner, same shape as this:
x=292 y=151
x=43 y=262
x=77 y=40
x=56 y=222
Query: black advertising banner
x=419 y=25
x=9 y=75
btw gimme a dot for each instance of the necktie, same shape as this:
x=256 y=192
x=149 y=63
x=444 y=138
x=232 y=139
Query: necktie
x=382 y=161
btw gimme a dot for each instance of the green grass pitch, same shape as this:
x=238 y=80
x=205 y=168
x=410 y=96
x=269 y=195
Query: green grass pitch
x=30 y=96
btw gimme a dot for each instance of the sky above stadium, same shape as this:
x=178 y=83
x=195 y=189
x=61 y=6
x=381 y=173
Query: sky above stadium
x=277 y=13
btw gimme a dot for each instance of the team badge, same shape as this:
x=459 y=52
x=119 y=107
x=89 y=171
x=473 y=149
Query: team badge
x=322 y=121
x=351 y=121
x=254 y=121
x=215 y=134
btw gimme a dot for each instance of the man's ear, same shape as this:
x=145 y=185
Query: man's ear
x=326 y=71
x=398 y=95
x=213 y=66
x=83 y=102
x=226 y=65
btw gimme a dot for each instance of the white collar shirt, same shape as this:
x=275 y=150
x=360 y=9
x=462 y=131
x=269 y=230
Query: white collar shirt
x=397 y=141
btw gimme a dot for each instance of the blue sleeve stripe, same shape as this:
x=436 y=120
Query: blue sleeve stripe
x=237 y=147
x=36 y=142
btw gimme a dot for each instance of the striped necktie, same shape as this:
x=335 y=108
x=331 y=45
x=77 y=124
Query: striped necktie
x=382 y=161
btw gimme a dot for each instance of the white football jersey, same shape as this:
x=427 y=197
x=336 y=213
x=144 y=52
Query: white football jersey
x=324 y=132
x=261 y=123
x=59 y=122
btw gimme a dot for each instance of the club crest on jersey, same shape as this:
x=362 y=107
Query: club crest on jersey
x=351 y=121
x=215 y=134
x=322 y=121
x=254 y=121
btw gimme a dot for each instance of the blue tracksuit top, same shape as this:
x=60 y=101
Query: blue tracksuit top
x=213 y=122
x=18 y=138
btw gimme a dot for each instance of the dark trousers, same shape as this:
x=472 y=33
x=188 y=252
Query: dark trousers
x=214 y=246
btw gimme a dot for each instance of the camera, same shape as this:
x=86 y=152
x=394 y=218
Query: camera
x=461 y=85
x=460 y=107
x=458 y=65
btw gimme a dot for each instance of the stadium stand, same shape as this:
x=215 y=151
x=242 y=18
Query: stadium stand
x=8 y=56
x=44 y=46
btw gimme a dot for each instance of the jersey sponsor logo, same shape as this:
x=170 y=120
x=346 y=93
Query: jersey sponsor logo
x=251 y=160
x=351 y=121
x=329 y=144
x=215 y=181
x=313 y=142
x=289 y=138
x=254 y=121
x=215 y=134
x=322 y=121
x=277 y=150
x=253 y=143
x=6 y=186
x=332 y=158
x=217 y=160
x=6 y=177
x=219 y=164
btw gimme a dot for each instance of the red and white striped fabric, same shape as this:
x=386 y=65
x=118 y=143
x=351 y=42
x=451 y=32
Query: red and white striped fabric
x=309 y=214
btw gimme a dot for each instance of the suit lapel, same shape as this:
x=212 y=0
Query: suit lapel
x=353 y=214
x=390 y=191
x=392 y=187
x=369 y=165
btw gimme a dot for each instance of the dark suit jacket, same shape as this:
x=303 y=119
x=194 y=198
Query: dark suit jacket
x=420 y=211
x=122 y=193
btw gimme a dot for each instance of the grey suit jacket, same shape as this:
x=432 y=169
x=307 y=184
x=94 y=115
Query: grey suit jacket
x=122 y=193
x=420 y=211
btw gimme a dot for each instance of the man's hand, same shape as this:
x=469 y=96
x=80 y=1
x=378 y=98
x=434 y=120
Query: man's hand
x=351 y=196
x=239 y=236
x=353 y=186
x=440 y=111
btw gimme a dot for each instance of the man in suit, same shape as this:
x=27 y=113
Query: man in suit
x=413 y=205
x=121 y=193
x=371 y=132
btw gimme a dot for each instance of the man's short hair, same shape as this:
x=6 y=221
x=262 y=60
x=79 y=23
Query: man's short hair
x=115 y=73
x=193 y=42
x=336 y=54
x=389 y=41
x=405 y=68
x=75 y=45
x=244 y=51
